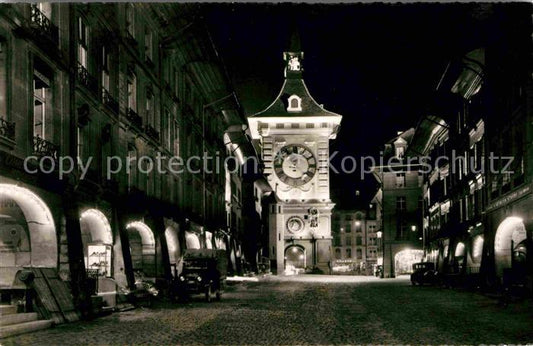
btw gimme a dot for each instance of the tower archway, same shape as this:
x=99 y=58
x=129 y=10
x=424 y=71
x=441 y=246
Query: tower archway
x=294 y=259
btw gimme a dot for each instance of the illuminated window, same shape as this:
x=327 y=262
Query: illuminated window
x=83 y=43
x=41 y=93
x=81 y=142
x=295 y=104
x=400 y=179
x=132 y=92
x=3 y=79
x=149 y=107
x=130 y=20
x=148 y=45
x=105 y=67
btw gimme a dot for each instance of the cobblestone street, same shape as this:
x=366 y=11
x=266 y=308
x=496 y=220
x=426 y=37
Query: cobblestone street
x=309 y=310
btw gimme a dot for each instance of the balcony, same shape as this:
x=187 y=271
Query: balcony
x=151 y=132
x=7 y=129
x=42 y=147
x=86 y=79
x=42 y=25
x=109 y=101
x=134 y=118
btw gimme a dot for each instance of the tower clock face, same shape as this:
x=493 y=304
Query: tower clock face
x=295 y=224
x=295 y=165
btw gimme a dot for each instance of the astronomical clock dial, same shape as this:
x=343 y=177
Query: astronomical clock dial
x=295 y=224
x=295 y=165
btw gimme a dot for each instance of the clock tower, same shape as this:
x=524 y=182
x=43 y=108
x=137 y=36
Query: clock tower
x=293 y=136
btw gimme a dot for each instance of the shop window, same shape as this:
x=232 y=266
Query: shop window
x=99 y=259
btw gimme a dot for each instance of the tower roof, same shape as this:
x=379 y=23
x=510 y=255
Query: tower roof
x=294 y=88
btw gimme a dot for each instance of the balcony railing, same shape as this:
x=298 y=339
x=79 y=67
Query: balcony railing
x=151 y=132
x=43 y=147
x=7 y=129
x=86 y=79
x=134 y=118
x=43 y=25
x=109 y=101
x=131 y=40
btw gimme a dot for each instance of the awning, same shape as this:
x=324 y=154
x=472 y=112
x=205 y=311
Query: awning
x=428 y=130
x=239 y=144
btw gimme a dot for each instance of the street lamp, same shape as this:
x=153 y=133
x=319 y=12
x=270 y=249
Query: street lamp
x=413 y=228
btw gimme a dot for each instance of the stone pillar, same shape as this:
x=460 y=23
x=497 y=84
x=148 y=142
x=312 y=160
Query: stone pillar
x=78 y=275
x=119 y=223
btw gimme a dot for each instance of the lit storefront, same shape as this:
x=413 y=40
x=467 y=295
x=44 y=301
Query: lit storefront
x=142 y=249
x=404 y=260
x=27 y=232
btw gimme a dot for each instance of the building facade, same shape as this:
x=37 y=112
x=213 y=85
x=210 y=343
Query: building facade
x=477 y=217
x=95 y=100
x=400 y=204
x=355 y=242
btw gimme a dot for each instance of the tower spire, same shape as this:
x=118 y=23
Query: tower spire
x=294 y=56
x=295 y=44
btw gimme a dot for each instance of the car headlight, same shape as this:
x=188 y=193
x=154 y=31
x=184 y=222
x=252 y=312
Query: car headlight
x=182 y=278
x=199 y=278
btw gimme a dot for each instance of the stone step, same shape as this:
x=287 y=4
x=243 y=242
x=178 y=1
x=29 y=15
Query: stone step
x=21 y=328
x=7 y=310
x=10 y=319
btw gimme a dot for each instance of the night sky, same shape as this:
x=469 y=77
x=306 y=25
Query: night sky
x=376 y=64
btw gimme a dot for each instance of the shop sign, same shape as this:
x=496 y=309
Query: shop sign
x=507 y=199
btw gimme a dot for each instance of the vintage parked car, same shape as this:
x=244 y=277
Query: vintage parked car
x=204 y=272
x=423 y=273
